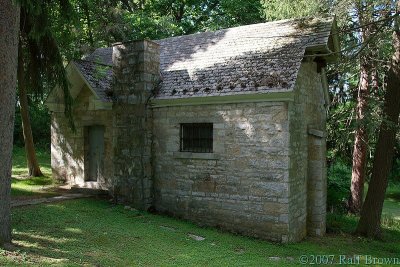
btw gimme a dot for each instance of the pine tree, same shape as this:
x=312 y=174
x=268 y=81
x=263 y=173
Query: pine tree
x=370 y=220
x=9 y=25
x=39 y=63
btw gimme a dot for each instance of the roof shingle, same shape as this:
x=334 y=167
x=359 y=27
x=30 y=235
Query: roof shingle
x=256 y=58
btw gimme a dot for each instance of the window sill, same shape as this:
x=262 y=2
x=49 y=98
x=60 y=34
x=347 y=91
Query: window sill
x=191 y=155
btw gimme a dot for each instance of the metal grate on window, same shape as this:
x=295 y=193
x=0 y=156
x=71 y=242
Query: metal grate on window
x=196 y=137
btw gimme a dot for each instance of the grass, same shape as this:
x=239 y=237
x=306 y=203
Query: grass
x=93 y=232
x=21 y=186
x=391 y=205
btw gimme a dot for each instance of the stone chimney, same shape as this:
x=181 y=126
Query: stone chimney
x=136 y=68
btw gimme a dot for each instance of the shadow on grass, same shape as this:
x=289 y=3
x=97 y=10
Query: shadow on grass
x=94 y=232
x=77 y=235
x=339 y=223
x=395 y=196
x=21 y=194
x=20 y=165
x=393 y=192
x=48 y=245
x=347 y=224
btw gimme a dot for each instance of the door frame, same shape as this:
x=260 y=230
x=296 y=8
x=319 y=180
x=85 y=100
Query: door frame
x=87 y=153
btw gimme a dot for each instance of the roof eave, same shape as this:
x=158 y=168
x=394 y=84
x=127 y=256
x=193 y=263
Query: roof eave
x=322 y=51
x=333 y=44
x=86 y=81
x=335 y=36
x=329 y=51
x=287 y=96
x=71 y=69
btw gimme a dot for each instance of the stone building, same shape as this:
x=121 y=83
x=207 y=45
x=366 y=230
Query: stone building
x=223 y=128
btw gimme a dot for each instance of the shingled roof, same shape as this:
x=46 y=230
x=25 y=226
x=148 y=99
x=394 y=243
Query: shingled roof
x=256 y=58
x=98 y=76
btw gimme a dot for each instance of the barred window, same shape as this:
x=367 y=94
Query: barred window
x=196 y=137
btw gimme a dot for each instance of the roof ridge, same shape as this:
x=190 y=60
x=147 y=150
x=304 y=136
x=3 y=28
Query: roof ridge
x=328 y=17
x=251 y=25
x=248 y=59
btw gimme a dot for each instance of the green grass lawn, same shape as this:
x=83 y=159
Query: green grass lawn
x=392 y=202
x=22 y=187
x=93 y=232
x=391 y=206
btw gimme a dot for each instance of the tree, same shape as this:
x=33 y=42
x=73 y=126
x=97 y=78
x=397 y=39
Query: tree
x=361 y=136
x=357 y=91
x=9 y=25
x=106 y=22
x=33 y=164
x=39 y=64
x=372 y=17
x=370 y=220
x=285 y=9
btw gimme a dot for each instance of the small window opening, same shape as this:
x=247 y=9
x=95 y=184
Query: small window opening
x=196 y=137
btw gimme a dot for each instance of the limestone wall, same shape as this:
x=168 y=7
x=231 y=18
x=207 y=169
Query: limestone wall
x=136 y=74
x=243 y=186
x=260 y=180
x=307 y=206
x=68 y=148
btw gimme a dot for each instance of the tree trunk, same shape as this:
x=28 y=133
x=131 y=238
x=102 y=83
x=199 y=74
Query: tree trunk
x=360 y=145
x=370 y=221
x=33 y=165
x=361 y=136
x=9 y=26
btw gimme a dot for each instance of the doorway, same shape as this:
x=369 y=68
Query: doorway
x=94 y=143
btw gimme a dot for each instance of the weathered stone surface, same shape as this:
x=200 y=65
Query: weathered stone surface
x=266 y=175
x=68 y=157
x=136 y=72
x=233 y=191
x=307 y=172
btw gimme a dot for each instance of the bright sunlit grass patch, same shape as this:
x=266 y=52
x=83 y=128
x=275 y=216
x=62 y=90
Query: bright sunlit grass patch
x=20 y=169
x=23 y=186
x=93 y=232
x=96 y=233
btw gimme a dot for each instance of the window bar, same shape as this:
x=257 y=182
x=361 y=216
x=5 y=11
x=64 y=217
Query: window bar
x=196 y=137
